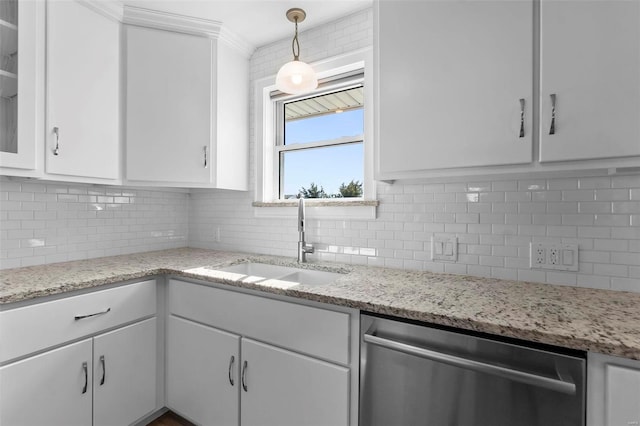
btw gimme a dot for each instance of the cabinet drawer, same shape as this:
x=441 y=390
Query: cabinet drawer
x=318 y=332
x=31 y=328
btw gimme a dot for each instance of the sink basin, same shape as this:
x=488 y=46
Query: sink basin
x=307 y=277
x=262 y=270
x=276 y=275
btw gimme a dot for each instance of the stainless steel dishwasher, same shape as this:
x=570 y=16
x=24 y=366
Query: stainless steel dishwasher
x=415 y=375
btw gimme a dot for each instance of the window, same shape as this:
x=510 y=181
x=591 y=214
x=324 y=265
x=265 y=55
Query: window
x=297 y=147
x=319 y=147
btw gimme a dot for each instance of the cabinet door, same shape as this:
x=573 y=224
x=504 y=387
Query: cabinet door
x=590 y=60
x=124 y=373
x=202 y=373
x=613 y=391
x=451 y=76
x=169 y=111
x=83 y=69
x=53 y=388
x=19 y=78
x=284 y=388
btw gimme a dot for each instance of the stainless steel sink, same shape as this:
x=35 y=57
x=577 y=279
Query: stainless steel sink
x=276 y=275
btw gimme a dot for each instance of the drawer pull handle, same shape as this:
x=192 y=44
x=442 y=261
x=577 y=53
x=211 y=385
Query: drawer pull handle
x=244 y=371
x=231 y=362
x=79 y=317
x=85 y=368
x=104 y=370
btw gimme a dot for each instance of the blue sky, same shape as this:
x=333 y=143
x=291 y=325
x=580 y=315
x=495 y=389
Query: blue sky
x=327 y=167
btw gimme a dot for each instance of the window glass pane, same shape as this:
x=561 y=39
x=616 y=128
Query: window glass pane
x=328 y=168
x=9 y=76
x=327 y=117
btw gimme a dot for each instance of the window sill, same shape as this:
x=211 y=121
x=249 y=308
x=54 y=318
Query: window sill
x=317 y=209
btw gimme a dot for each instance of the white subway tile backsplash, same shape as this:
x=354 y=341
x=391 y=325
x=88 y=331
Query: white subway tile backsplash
x=612 y=220
x=612 y=194
x=594 y=183
x=562 y=184
x=611 y=270
x=624 y=284
x=54 y=222
x=578 y=195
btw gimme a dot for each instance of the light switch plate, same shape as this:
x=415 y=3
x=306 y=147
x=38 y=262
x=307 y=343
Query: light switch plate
x=561 y=257
x=444 y=248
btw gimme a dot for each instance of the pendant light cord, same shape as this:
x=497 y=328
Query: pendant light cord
x=295 y=45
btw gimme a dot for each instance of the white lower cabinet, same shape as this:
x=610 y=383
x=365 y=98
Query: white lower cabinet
x=202 y=373
x=283 y=388
x=124 y=374
x=89 y=359
x=248 y=375
x=53 y=388
x=613 y=391
x=106 y=380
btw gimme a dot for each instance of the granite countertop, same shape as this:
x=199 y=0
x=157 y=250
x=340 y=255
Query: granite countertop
x=601 y=321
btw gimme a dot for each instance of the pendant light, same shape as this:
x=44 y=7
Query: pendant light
x=296 y=77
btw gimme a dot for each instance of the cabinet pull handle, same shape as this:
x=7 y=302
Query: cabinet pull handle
x=231 y=362
x=552 y=129
x=206 y=163
x=522 y=118
x=85 y=368
x=104 y=370
x=244 y=371
x=79 y=317
x=56 y=131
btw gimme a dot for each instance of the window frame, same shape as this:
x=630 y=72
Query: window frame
x=332 y=85
x=265 y=122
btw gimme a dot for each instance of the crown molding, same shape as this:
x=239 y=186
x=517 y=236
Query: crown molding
x=110 y=9
x=185 y=24
x=236 y=42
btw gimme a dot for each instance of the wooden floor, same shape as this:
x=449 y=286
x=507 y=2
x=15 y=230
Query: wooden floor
x=170 y=419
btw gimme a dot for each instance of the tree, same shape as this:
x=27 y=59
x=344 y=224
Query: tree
x=313 y=192
x=353 y=189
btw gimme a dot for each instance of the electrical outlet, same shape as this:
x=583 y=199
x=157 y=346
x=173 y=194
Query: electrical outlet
x=562 y=257
x=540 y=256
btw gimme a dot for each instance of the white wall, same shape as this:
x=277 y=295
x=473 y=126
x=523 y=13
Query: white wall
x=44 y=222
x=494 y=220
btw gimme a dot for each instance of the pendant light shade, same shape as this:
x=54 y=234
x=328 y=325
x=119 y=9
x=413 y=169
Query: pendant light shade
x=296 y=77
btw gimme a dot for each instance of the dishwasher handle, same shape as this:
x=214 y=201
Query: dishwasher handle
x=469 y=364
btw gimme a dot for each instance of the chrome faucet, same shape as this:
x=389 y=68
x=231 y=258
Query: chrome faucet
x=303 y=248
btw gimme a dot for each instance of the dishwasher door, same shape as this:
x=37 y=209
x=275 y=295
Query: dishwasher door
x=414 y=375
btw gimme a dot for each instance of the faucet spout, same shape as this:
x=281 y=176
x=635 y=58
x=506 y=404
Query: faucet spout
x=303 y=247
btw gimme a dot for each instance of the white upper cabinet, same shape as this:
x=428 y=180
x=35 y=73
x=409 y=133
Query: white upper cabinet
x=21 y=33
x=590 y=61
x=187 y=107
x=83 y=91
x=454 y=85
x=169 y=106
